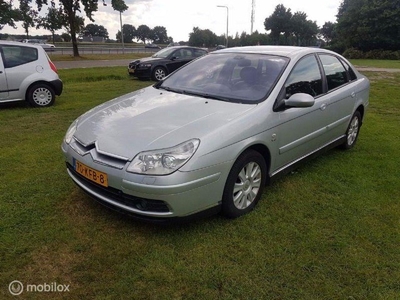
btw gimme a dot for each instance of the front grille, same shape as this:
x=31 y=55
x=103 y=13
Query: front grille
x=120 y=197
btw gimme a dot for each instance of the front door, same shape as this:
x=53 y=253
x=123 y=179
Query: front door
x=302 y=130
x=179 y=58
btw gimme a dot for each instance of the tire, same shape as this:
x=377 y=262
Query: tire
x=245 y=184
x=158 y=73
x=41 y=95
x=352 y=131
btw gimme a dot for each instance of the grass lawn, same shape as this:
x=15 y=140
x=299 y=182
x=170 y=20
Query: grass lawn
x=376 y=63
x=64 y=57
x=330 y=230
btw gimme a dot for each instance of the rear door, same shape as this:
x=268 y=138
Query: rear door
x=342 y=94
x=3 y=80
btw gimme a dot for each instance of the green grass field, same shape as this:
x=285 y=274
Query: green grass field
x=329 y=230
x=376 y=63
x=68 y=57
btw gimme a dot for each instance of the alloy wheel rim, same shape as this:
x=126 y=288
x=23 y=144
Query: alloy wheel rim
x=247 y=185
x=353 y=131
x=160 y=74
x=42 y=96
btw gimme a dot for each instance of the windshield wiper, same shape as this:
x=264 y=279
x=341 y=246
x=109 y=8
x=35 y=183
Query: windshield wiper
x=167 y=88
x=207 y=96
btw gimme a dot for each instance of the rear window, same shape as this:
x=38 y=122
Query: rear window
x=199 y=52
x=18 y=55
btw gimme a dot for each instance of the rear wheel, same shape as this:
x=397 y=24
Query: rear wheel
x=245 y=184
x=352 y=131
x=41 y=95
x=159 y=73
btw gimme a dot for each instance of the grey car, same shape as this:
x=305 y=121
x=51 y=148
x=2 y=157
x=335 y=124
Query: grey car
x=27 y=73
x=210 y=136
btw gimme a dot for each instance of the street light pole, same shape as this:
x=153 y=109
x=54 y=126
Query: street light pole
x=227 y=22
x=122 y=33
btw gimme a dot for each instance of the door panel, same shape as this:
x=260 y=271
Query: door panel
x=3 y=82
x=180 y=58
x=342 y=95
x=302 y=130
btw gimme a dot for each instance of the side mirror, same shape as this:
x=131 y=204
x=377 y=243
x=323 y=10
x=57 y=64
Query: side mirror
x=300 y=100
x=173 y=58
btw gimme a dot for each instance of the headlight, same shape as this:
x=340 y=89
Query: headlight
x=145 y=65
x=163 y=161
x=70 y=132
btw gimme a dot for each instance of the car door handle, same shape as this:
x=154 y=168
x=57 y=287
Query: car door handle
x=353 y=94
x=323 y=106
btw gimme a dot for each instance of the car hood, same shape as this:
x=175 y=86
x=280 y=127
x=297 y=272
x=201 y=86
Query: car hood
x=147 y=59
x=152 y=119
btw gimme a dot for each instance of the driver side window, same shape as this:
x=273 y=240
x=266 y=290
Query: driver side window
x=305 y=78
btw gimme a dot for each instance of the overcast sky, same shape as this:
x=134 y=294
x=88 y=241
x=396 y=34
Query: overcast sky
x=180 y=16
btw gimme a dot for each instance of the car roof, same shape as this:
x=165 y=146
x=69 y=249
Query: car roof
x=191 y=47
x=288 y=51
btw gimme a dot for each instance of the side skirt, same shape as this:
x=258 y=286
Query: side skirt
x=296 y=163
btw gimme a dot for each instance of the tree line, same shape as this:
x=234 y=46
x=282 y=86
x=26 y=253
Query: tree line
x=284 y=28
x=64 y=16
x=364 y=25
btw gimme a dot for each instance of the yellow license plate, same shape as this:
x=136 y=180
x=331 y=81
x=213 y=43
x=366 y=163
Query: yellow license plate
x=91 y=174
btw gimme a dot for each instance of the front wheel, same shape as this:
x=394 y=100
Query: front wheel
x=245 y=184
x=352 y=131
x=159 y=73
x=41 y=95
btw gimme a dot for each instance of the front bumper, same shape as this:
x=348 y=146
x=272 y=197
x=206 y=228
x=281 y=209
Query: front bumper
x=180 y=194
x=139 y=72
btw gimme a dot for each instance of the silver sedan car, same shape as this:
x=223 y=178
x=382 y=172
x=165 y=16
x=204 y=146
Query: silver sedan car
x=211 y=135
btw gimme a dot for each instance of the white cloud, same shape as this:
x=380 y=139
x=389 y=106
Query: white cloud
x=180 y=16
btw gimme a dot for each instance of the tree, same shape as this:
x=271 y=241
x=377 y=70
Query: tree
x=159 y=35
x=202 y=38
x=368 y=25
x=66 y=37
x=95 y=30
x=79 y=24
x=120 y=6
x=72 y=21
x=279 y=22
x=143 y=33
x=8 y=14
x=304 y=30
x=52 y=21
x=328 y=31
x=129 y=33
x=28 y=15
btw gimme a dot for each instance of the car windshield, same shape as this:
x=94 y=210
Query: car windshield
x=164 y=52
x=245 y=78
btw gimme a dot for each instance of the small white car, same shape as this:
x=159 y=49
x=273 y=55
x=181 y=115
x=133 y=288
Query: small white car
x=27 y=73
